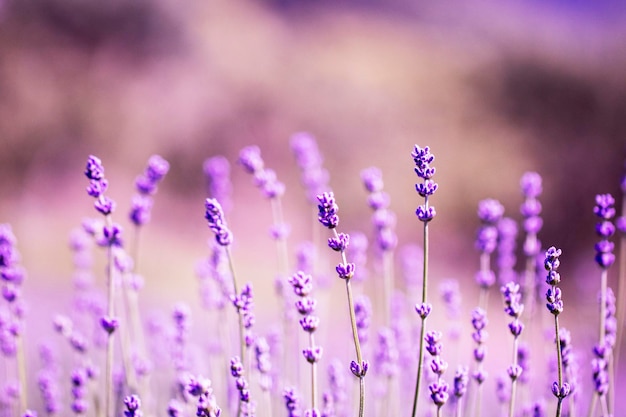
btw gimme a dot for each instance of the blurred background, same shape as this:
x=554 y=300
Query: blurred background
x=495 y=89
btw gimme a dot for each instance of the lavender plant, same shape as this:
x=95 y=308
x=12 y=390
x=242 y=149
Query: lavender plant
x=328 y=217
x=425 y=213
x=302 y=286
x=605 y=211
x=560 y=389
x=98 y=184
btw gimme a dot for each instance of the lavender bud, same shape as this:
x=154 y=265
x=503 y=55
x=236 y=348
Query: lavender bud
x=328 y=210
x=439 y=393
x=345 y=271
x=339 y=243
x=423 y=310
x=109 y=324
x=313 y=354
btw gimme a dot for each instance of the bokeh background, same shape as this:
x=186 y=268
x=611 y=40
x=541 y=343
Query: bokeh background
x=494 y=88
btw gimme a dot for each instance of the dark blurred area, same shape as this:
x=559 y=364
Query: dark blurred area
x=495 y=90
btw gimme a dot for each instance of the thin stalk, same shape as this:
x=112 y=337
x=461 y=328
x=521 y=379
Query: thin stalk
x=108 y=404
x=21 y=371
x=514 y=381
x=355 y=334
x=357 y=345
x=313 y=375
x=559 y=363
x=459 y=407
x=242 y=337
x=423 y=325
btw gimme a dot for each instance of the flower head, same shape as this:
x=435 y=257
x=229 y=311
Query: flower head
x=215 y=217
x=328 y=209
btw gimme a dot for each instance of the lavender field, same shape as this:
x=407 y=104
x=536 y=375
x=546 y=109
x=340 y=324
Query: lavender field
x=276 y=208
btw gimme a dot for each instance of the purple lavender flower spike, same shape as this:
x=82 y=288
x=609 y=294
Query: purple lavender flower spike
x=328 y=210
x=94 y=169
x=490 y=211
x=251 y=160
x=531 y=184
x=460 y=381
x=292 y=402
x=217 y=223
x=423 y=158
x=157 y=168
x=29 y=413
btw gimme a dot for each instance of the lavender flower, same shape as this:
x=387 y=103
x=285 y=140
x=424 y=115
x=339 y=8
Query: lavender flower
x=605 y=210
x=292 y=402
x=133 y=404
x=94 y=171
x=244 y=304
x=328 y=210
x=207 y=405
x=217 y=223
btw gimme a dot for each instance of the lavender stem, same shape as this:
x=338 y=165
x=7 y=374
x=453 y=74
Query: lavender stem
x=423 y=319
x=108 y=404
x=242 y=340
